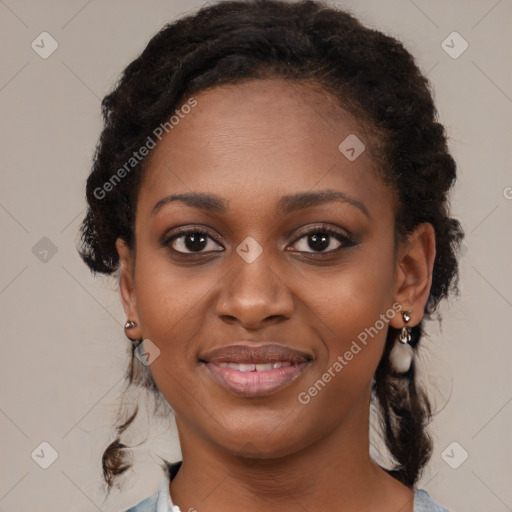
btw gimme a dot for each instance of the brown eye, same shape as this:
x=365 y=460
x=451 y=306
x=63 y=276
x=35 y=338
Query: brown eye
x=322 y=240
x=192 y=241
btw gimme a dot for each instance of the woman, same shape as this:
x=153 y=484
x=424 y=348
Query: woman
x=272 y=184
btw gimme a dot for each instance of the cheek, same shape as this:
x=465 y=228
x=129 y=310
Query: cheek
x=172 y=310
x=353 y=327
x=167 y=297
x=352 y=308
x=171 y=315
x=352 y=297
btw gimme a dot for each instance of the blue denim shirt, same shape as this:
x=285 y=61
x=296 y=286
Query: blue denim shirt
x=161 y=500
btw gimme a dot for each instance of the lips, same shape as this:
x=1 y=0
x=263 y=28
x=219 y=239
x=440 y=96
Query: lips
x=255 y=367
x=255 y=371
x=248 y=354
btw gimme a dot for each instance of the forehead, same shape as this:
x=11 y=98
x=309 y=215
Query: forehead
x=270 y=136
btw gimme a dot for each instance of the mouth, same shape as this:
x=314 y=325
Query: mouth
x=254 y=371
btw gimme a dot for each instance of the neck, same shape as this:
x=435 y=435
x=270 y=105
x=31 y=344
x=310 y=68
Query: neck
x=333 y=473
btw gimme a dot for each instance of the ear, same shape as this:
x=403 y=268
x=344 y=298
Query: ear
x=415 y=262
x=127 y=286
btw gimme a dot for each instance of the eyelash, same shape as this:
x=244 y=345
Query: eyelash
x=345 y=240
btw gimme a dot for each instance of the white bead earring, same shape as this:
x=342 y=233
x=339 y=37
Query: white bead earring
x=402 y=353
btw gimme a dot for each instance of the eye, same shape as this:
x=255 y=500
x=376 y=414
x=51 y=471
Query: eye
x=192 y=241
x=322 y=240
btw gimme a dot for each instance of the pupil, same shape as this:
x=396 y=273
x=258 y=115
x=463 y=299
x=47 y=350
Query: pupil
x=320 y=242
x=198 y=241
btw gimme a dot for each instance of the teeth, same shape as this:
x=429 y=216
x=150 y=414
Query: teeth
x=251 y=367
x=264 y=367
x=280 y=364
x=244 y=367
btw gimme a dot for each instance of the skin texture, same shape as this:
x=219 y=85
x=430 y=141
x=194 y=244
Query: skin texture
x=251 y=144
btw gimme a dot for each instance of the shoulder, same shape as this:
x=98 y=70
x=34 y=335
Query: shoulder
x=424 y=503
x=147 y=505
x=161 y=500
x=158 y=502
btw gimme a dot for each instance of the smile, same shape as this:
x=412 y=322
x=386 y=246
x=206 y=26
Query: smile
x=251 y=380
x=252 y=367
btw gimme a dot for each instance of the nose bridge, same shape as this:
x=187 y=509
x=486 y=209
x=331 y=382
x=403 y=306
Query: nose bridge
x=253 y=290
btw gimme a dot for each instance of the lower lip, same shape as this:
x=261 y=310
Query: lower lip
x=257 y=383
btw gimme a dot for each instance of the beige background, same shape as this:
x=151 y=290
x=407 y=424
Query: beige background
x=63 y=348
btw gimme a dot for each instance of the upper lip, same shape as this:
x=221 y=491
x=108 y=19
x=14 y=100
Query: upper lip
x=267 y=353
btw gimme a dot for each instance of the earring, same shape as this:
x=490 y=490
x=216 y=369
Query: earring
x=130 y=324
x=402 y=353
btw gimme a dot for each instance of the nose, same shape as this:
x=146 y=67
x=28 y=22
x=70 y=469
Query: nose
x=254 y=295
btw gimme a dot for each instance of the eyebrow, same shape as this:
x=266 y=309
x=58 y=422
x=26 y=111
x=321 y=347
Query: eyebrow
x=287 y=204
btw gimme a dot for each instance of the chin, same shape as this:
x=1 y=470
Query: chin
x=263 y=441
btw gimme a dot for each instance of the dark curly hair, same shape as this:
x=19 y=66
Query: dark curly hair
x=368 y=73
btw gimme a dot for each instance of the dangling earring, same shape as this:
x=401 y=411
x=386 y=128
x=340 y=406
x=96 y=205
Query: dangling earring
x=402 y=353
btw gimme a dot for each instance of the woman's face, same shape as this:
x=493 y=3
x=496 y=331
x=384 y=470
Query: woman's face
x=250 y=162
